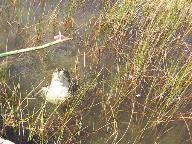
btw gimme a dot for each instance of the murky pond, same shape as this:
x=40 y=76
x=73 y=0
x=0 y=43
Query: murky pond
x=94 y=117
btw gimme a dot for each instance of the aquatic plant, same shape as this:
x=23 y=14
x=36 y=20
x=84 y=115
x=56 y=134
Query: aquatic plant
x=132 y=63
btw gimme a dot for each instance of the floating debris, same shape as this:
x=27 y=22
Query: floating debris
x=138 y=95
x=4 y=141
x=61 y=37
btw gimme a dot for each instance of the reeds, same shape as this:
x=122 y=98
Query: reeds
x=134 y=70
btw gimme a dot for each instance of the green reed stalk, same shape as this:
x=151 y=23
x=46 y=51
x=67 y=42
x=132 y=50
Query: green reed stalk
x=32 y=48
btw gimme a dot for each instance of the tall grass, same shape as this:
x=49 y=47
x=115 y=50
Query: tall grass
x=134 y=70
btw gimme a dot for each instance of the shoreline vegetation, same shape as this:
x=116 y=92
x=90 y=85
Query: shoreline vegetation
x=132 y=62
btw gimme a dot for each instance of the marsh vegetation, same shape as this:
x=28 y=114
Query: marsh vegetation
x=131 y=58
